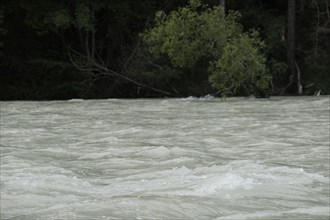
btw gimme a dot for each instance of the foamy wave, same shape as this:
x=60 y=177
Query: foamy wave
x=228 y=181
x=193 y=98
x=76 y=100
x=316 y=210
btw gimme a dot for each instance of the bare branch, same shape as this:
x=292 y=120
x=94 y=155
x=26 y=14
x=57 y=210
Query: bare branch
x=289 y=84
x=298 y=79
x=103 y=70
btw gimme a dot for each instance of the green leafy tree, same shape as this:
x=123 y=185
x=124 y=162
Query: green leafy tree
x=197 y=34
x=241 y=67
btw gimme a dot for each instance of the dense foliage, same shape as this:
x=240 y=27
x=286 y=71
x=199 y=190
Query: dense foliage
x=195 y=34
x=94 y=48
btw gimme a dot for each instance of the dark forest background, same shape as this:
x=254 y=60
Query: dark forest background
x=52 y=50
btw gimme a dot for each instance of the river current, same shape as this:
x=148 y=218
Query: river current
x=191 y=158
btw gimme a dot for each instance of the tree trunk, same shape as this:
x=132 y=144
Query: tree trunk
x=87 y=44
x=223 y=4
x=294 y=78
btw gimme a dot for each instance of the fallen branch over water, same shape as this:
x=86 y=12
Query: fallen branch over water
x=93 y=66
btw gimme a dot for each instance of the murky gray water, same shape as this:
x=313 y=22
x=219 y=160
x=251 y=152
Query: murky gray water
x=166 y=159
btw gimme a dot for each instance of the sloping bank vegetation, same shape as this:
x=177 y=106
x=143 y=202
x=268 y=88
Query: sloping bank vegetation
x=126 y=49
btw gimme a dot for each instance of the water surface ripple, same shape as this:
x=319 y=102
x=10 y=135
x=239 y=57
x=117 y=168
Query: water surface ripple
x=166 y=159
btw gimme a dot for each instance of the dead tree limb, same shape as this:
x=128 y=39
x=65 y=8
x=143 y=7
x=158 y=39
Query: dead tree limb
x=93 y=66
x=289 y=84
x=298 y=79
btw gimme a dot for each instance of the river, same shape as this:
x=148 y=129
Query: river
x=187 y=158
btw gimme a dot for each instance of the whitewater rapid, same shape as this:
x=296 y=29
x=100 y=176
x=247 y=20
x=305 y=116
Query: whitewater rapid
x=191 y=158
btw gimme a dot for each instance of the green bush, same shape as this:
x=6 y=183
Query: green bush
x=241 y=67
x=199 y=35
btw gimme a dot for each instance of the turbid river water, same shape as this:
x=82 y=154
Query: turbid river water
x=166 y=159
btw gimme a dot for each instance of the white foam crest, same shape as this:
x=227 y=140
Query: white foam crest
x=33 y=200
x=189 y=98
x=237 y=176
x=316 y=210
x=194 y=98
x=76 y=100
x=155 y=152
x=182 y=181
x=261 y=214
x=313 y=211
x=228 y=181
x=159 y=182
x=266 y=175
x=43 y=183
x=286 y=173
x=207 y=97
